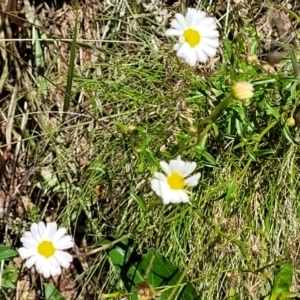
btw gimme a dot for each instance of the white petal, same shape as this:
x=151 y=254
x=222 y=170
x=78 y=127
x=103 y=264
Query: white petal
x=63 y=258
x=159 y=187
x=176 y=46
x=181 y=20
x=26 y=253
x=183 y=196
x=40 y=263
x=183 y=50
x=43 y=266
x=192 y=58
x=154 y=184
x=59 y=234
x=189 y=168
x=175 y=24
x=31 y=261
x=162 y=190
x=165 y=167
x=65 y=242
x=55 y=271
x=35 y=232
x=28 y=240
x=193 y=180
x=190 y=17
x=51 y=229
x=214 y=43
x=160 y=176
x=181 y=40
x=166 y=201
x=53 y=261
x=201 y=56
x=207 y=23
x=42 y=230
x=177 y=166
x=174 y=197
x=173 y=32
x=179 y=196
x=200 y=16
x=210 y=34
x=211 y=52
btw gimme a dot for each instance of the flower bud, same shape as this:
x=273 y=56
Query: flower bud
x=252 y=59
x=290 y=122
x=132 y=130
x=242 y=90
x=193 y=130
x=145 y=291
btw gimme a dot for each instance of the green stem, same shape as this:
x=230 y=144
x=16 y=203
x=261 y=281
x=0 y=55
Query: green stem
x=209 y=119
x=157 y=243
x=255 y=148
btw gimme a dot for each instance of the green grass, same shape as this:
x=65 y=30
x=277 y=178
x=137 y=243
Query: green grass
x=245 y=214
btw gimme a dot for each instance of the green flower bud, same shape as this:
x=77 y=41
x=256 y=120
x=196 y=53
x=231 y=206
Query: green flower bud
x=132 y=130
x=193 y=130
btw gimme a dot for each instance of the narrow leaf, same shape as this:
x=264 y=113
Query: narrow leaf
x=71 y=65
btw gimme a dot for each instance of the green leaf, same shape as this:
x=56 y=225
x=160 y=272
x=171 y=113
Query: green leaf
x=6 y=252
x=163 y=275
x=260 y=153
x=119 y=254
x=141 y=203
x=9 y=277
x=233 y=294
x=205 y=155
x=51 y=293
x=230 y=191
x=288 y=295
x=150 y=157
x=216 y=129
x=282 y=282
x=288 y=136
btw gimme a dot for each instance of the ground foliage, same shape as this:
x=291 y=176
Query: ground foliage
x=85 y=169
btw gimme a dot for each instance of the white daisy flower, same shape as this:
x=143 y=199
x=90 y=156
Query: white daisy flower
x=171 y=187
x=43 y=246
x=198 y=36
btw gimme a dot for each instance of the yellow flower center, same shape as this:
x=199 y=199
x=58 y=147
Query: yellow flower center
x=176 y=181
x=46 y=249
x=192 y=37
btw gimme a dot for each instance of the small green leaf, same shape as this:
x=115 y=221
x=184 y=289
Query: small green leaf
x=287 y=295
x=233 y=294
x=282 y=279
x=150 y=157
x=208 y=158
x=141 y=203
x=251 y=153
x=51 y=293
x=9 y=277
x=216 y=129
x=230 y=191
x=6 y=252
x=260 y=153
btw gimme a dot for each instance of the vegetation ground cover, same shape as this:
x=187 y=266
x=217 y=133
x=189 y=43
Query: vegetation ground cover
x=133 y=104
